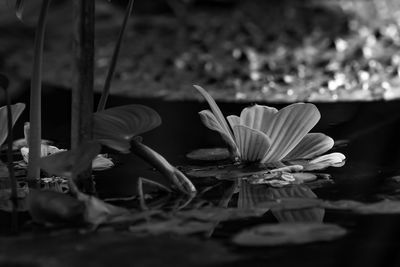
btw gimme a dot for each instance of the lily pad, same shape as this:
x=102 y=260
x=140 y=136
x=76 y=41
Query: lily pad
x=217 y=214
x=288 y=233
x=174 y=225
x=382 y=207
x=209 y=154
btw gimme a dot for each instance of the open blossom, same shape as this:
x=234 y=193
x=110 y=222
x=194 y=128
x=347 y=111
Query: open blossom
x=264 y=134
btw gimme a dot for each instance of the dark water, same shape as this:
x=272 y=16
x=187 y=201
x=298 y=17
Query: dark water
x=369 y=137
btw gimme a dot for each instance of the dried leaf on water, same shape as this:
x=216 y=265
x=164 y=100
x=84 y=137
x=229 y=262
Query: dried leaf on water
x=288 y=233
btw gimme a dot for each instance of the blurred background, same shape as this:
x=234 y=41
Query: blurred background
x=253 y=50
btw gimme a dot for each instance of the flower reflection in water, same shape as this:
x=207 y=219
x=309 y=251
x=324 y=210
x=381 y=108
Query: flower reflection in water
x=250 y=196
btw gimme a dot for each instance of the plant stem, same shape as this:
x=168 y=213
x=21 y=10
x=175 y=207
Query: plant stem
x=82 y=91
x=175 y=176
x=106 y=89
x=10 y=161
x=35 y=98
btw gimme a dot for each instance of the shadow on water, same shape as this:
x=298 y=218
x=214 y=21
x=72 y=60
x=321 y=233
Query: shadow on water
x=367 y=133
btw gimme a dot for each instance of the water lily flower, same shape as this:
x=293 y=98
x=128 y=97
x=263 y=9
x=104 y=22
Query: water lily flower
x=264 y=134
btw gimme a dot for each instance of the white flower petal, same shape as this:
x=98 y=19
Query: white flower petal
x=219 y=117
x=330 y=160
x=101 y=163
x=211 y=122
x=258 y=117
x=233 y=120
x=252 y=144
x=45 y=150
x=312 y=145
x=288 y=128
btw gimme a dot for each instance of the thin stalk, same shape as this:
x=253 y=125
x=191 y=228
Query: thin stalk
x=10 y=165
x=35 y=111
x=82 y=91
x=10 y=160
x=175 y=176
x=106 y=89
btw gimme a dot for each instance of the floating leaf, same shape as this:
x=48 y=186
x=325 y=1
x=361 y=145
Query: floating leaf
x=218 y=214
x=16 y=111
x=49 y=207
x=382 y=207
x=71 y=162
x=115 y=127
x=209 y=154
x=229 y=171
x=291 y=203
x=303 y=215
x=174 y=225
x=288 y=233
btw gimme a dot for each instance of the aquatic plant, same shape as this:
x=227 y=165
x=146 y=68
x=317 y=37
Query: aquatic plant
x=119 y=128
x=264 y=134
x=10 y=114
x=53 y=207
x=35 y=96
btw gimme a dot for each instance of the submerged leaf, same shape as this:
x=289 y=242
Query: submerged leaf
x=115 y=127
x=66 y=163
x=209 y=154
x=288 y=233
